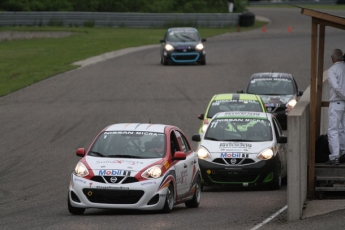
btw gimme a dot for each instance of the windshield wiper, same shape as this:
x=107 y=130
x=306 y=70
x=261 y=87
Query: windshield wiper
x=97 y=153
x=124 y=156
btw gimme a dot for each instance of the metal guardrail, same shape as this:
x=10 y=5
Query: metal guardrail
x=134 y=20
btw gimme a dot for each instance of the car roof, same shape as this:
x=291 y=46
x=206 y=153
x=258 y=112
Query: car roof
x=271 y=75
x=241 y=114
x=137 y=127
x=236 y=96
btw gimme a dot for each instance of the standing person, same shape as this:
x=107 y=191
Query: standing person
x=336 y=111
x=231 y=5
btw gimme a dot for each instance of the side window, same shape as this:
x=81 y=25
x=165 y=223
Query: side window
x=174 y=146
x=183 y=141
x=277 y=129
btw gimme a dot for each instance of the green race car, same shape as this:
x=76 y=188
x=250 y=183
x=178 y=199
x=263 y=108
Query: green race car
x=230 y=102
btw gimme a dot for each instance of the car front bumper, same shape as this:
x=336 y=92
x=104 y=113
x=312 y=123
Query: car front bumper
x=185 y=57
x=255 y=174
x=142 y=195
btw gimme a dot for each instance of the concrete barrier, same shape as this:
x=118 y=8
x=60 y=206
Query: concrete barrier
x=298 y=149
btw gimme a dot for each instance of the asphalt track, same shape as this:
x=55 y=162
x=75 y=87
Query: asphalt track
x=42 y=125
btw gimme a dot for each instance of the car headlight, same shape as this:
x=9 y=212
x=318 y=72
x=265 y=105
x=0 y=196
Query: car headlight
x=265 y=154
x=168 y=47
x=204 y=127
x=153 y=172
x=203 y=153
x=199 y=46
x=291 y=103
x=81 y=170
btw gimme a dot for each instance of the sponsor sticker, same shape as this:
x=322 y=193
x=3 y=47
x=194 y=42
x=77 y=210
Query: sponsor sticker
x=110 y=187
x=233 y=155
x=148 y=183
x=112 y=172
x=166 y=165
x=235 y=145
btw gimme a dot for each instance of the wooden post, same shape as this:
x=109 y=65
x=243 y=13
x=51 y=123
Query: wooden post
x=312 y=124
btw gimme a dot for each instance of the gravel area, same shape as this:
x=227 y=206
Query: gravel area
x=15 y=35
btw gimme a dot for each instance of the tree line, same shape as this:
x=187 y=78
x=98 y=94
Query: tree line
x=142 y=6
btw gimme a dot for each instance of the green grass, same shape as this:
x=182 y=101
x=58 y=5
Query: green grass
x=24 y=62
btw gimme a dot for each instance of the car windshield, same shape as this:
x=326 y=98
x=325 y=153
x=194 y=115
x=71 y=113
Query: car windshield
x=129 y=144
x=233 y=105
x=183 y=36
x=239 y=129
x=271 y=86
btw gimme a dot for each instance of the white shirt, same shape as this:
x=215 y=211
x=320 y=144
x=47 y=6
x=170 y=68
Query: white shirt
x=336 y=79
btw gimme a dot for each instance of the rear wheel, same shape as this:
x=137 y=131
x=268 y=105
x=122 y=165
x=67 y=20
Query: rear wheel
x=195 y=201
x=169 y=200
x=74 y=210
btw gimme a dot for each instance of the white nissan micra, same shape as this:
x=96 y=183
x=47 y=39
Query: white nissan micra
x=242 y=149
x=136 y=166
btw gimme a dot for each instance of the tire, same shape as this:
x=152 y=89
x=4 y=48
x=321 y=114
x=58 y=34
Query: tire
x=195 y=201
x=277 y=180
x=203 y=62
x=169 y=200
x=74 y=210
x=164 y=61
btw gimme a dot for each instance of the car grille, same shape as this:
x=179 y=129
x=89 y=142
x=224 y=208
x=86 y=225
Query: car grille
x=112 y=196
x=119 y=179
x=180 y=57
x=234 y=177
x=231 y=161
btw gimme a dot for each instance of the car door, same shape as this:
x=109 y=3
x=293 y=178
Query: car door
x=188 y=165
x=281 y=147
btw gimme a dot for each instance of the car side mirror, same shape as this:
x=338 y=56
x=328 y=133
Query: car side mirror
x=203 y=40
x=196 y=137
x=179 y=155
x=240 y=91
x=282 y=140
x=162 y=41
x=80 y=152
x=300 y=93
x=201 y=116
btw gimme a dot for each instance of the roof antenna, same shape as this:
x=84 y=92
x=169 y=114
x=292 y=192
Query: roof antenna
x=149 y=120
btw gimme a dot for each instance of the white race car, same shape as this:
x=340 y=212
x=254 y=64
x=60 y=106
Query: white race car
x=136 y=166
x=242 y=149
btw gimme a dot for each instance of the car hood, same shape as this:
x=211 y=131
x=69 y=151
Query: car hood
x=235 y=147
x=276 y=99
x=184 y=44
x=117 y=166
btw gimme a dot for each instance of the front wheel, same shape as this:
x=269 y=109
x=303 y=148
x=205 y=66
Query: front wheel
x=203 y=62
x=164 y=61
x=74 y=210
x=277 y=179
x=195 y=201
x=169 y=200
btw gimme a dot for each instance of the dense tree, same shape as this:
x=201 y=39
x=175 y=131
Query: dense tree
x=150 y=6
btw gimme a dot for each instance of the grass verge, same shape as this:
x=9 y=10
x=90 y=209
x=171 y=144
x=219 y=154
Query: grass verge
x=27 y=61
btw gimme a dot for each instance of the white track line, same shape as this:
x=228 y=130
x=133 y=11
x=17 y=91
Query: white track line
x=269 y=218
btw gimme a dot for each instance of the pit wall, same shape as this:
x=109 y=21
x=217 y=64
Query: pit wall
x=298 y=149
